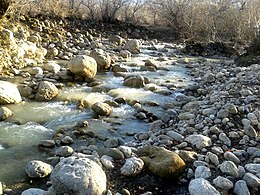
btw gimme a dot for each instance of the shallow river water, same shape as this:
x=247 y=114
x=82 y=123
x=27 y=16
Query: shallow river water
x=35 y=121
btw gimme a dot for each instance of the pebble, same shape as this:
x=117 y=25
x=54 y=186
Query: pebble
x=229 y=168
x=253 y=168
x=241 y=188
x=200 y=141
x=253 y=151
x=33 y=191
x=111 y=143
x=202 y=172
x=251 y=180
x=175 y=136
x=202 y=187
x=64 y=151
x=223 y=183
x=132 y=167
x=107 y=161
x=231 y=157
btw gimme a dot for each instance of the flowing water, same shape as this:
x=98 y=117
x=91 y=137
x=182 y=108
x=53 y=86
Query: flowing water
x=35 y=121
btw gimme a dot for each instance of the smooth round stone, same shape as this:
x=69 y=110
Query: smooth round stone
x=202 y=187
x=223 y=183
x=64 y=151
x=33 y=191
x=111 y=143
x=251 y=180
x=231 y=157
x=202 y=172
x=229 y=168
x=47 y=143
x=107 y=161
x=253 y=168
x=213 y=158
x=132 y=167
x=38 y=169
x=241 y=188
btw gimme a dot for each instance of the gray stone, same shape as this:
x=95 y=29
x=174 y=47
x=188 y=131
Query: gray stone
x=251 y=180
x=35 y=70
x=5 y=113
x=102 y=109
x=209 y=78
x=253 y=168
x=52 y=67
x=253 y=151
x=250 y=131
x=83 y=65
x=9 y=93
x=224 y=138
x=107 y=162
x=46 y=91
x=47 y=143
x=231 y=157
x=222 y=114
x=64 y=151
x=102 y=58
x=175 y=136
x=133 y=45
x=229 y=168
x=132 y=167
x=223 y=183
x=134 y=81
x=202 y=172
x=111 y=142
x=200 y=141
x=213 y=158
x=241 y=188
x=78 y=176
x=202 y=187
x=33 y=191
x=38 y=169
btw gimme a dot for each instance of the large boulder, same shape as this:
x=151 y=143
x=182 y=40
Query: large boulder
x=136 y=81
x=78 y=176
x=46 y=91
x=9 y=93
x=133 y=45
x=102 y=58
x=102 y=109
x=162 y=162
x=83 y=65
x=38 y=169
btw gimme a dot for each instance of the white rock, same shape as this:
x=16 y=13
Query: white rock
x=202 y=187
x=126 y=150
x=200 y=141
x=74 y=175
x=38 y=169
x=241 y=188
x=251 y=180
x=132 y=167
x=202 y=172
x=9 y=93
x=107 y=162
x=1 y=188
x=133 y=45
x=223 y=183
x=228 y=167
x=33 y=191
x=5 y=113
x=102 y=58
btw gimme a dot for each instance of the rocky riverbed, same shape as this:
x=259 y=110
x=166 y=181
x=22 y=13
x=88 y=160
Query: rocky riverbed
x=126 y=116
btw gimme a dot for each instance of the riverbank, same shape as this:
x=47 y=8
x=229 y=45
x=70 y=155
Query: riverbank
x=145 y=95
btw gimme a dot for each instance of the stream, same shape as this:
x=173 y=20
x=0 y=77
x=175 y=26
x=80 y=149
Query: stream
x=35 y=121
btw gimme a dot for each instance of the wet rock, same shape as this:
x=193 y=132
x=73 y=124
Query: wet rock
x=223 y=183
x=84 y=66
x=133 y=45
x=241 y=188
x=132 y=167
x=125 y=54
x=199 y=141
x=33 y=191
x=9 y=93
x=229 y=168
x=52 y=67
x=150 y=62
x=47 y=143
x=102 y=58
x=78 y=176
x=118 y=68
x=116 y=39
x=111 y=142
x=134 y=81
x=67 y=140
x=38 y=169
x=46 y=91
x=101 y=109
x=162 y=162
x=251 y=180
x=107 y=162
x=202 y=187
x=202 y=172
x=64 y=151
x=5 y=113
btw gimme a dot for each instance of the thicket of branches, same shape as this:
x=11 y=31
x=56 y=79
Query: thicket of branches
x=203 y=20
